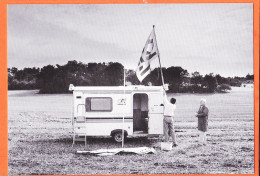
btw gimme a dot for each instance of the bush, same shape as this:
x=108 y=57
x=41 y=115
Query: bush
x=223 y=88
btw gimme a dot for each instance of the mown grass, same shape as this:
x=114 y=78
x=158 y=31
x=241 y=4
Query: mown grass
x=40 y=141
x=56 y=156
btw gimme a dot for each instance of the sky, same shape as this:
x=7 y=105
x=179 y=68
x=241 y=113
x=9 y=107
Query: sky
x=209 y=38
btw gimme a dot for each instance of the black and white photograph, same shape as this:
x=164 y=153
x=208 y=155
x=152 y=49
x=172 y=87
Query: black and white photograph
x=130 y=89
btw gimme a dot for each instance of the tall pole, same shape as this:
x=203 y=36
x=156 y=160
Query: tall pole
x=161 y=69
x=123 y=124
x=158 y=56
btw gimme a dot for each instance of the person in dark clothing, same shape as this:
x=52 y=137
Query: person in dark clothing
x=202 y=115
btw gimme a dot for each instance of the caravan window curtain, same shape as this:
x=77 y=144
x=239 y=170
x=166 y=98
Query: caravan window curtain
x=99 y=104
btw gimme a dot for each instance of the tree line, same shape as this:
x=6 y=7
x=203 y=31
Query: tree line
x=56 y=79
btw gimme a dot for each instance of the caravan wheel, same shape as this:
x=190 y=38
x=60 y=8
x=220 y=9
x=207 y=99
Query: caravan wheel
x=118 y=136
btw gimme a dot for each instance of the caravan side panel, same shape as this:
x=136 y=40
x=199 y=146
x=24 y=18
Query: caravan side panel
x=155 y=124
x=102 y=117
x=104 y=127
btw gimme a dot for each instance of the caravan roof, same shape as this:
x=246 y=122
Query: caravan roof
x=115 y=89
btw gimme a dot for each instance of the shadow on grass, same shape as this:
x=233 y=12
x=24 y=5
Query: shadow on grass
x=108 y=141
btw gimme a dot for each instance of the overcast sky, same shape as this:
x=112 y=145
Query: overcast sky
x=207 y=38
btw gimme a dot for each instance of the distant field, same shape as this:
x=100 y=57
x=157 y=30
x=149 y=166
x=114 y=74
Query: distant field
x=40 y=138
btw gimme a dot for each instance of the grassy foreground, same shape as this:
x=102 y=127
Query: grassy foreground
x=40 y=139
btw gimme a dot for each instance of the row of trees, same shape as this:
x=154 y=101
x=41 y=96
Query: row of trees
x=23 y=79
x=56 y=79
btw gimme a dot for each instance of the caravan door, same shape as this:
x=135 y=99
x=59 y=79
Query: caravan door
x=155 y=123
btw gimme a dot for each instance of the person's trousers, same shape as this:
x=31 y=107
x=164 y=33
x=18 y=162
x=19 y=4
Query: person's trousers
x=203 y=137
x=168 y=129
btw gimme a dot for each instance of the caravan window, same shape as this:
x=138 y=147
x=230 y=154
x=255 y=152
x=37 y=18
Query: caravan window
x=98 y=104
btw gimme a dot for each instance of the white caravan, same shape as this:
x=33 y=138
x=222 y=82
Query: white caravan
x=105 y=111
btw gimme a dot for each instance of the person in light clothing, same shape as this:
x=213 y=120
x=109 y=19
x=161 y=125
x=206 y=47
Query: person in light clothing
x=168 y=127
x=202 y=115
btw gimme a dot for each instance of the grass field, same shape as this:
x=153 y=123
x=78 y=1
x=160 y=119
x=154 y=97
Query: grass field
x=40 y=138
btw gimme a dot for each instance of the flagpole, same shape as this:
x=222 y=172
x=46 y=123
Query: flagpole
x=123 y=136
x=158 y=56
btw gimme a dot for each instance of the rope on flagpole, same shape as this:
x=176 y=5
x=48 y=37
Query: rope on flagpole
x=158 y=56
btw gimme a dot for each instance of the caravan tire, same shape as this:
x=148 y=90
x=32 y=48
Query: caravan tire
x=117 y=136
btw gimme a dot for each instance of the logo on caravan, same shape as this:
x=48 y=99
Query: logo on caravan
x=121 y=101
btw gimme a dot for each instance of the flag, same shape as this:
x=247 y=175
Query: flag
x=149 y=53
